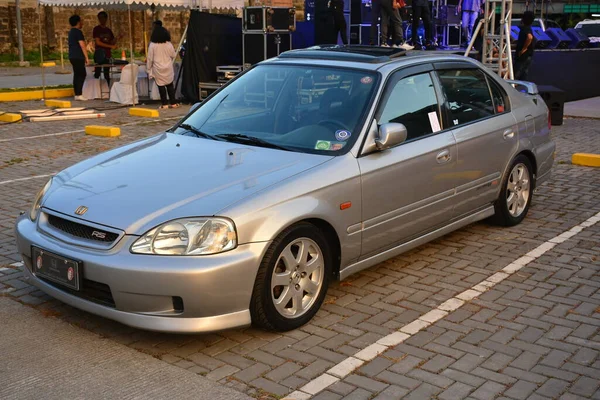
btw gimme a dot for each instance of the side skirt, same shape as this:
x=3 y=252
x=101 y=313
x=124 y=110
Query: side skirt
x=376 y=259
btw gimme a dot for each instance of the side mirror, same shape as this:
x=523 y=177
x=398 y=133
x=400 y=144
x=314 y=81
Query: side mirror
x=194 y=107
x=390 y=135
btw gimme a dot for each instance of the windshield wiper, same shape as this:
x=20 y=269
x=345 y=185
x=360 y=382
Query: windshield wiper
x=245 y=139
x=196 y=131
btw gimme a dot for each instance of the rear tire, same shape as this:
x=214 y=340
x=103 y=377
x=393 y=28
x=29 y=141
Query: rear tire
x=292 y=279
x=516 y=194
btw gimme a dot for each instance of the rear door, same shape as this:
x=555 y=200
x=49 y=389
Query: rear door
x=485 y=130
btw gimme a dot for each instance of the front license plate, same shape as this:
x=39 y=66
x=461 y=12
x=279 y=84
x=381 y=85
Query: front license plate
x=56 y=268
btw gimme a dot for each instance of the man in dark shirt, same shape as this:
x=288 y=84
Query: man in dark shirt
x=77 y=55
x=420 y=9
x=525 y=45
x=105 y=41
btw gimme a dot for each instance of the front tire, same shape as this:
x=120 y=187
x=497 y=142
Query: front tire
x=516 y=193
x=292 y=279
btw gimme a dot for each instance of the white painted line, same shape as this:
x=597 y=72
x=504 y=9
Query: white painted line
x=393 y=339
x=497 y=277
x=26 y=179
x=433 y=316
x=316 y=385
x=468 y=294
x=297 y=395
x=17 y=264
x=346 y=367
x=451 y=304
x=414 y=327
x=484 y=286
x=370 y=352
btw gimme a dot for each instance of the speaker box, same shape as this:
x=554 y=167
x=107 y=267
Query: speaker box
x=269 y=19
x=356 y=7
x=449 y=15
x=543 y=40
x=555 y=100
x=361 y=34
x=560 y=40
x=578 y=39
x=262 y=46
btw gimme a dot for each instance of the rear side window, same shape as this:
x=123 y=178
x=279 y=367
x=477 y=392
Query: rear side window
x=498 y=97
x=468 y=95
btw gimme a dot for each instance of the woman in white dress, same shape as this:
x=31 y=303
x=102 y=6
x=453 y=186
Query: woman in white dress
x=159 y=65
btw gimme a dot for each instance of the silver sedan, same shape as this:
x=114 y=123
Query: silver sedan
x=306 y=168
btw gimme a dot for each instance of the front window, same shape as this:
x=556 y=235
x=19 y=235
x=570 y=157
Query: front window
x=590 y=30
x=298 y=108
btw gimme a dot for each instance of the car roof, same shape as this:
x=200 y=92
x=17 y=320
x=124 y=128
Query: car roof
x=589 y=21
x=364 y=57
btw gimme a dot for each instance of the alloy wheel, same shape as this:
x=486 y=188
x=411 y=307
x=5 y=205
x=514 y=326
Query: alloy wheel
x=517 y=190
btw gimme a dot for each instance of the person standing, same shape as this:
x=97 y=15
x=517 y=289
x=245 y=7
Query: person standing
x=77 y=55
x=159 y=65
x=341 y=28
x=470 y=11
x=374 y=34
x=420 y=9
x=105 y=41
x=390 y=14
x=525 y=45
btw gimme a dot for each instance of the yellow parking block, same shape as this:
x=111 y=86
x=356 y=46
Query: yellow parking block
x=143 y=112
x=58 y=103
x=10 y=117
x=99 y=130
x=49 y=64
x=586 y=159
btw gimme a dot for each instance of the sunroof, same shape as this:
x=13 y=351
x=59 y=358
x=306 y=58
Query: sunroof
x=356 y=53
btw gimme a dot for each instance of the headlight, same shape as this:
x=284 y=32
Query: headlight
x=37 y=202
x=188 y=237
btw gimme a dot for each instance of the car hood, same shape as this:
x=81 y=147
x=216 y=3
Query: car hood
x=170 y=176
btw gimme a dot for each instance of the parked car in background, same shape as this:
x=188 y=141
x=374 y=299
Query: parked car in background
x=306 y=168
x=590 y=28
x=538 y=22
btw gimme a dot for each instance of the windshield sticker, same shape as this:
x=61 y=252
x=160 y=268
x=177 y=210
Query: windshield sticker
x=366 y=80
x=323 y=145
x=434 y=121
x=342 y=135
x=337 y=146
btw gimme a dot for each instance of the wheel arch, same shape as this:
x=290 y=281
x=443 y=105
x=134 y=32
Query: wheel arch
x=531 y=157
x=332 y=238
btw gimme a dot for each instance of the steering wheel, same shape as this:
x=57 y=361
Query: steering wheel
x=337 y=125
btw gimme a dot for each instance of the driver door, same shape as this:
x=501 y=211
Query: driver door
x=408 y=189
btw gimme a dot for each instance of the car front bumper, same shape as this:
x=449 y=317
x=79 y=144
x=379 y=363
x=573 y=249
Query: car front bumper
x=159 y=293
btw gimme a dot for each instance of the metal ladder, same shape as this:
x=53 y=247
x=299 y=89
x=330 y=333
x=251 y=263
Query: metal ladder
x=496 y=47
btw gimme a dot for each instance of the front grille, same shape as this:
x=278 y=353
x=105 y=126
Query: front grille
x=81 y=231
x=93 y=291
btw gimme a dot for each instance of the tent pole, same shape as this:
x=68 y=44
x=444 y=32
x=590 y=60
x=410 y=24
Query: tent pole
x=181 y=42
x=131 y=56
x=41 y=52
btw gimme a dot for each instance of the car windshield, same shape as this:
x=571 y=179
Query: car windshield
x=298 y=108
x=590 y=30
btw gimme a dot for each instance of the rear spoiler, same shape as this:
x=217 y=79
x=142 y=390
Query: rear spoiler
x=525 y=87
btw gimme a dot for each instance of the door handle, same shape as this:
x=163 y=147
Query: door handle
x=443 y=157
x=509 y=134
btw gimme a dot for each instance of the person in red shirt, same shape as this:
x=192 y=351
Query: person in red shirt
x=105 y=41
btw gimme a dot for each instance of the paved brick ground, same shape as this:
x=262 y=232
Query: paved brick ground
x=535 y=335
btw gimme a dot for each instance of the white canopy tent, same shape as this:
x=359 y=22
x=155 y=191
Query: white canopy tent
x=130 y=5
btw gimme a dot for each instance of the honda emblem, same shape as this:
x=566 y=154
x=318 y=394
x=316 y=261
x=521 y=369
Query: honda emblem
x=81 y=210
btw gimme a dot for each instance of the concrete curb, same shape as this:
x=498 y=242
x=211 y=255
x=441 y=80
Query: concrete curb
x=35 y=95
x=586 y=159
x=104 y=131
